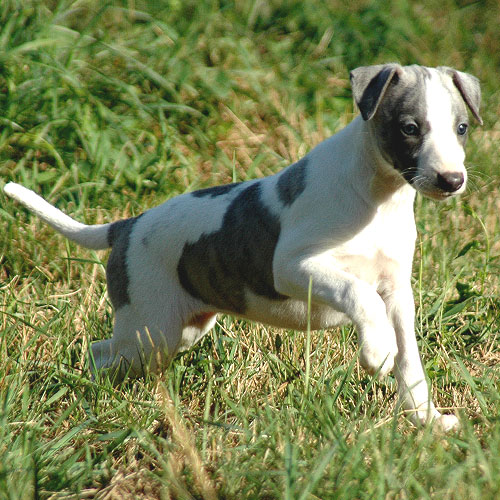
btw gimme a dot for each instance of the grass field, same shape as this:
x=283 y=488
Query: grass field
x=108 y=108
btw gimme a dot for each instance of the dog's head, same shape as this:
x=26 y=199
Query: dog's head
x=421 y=121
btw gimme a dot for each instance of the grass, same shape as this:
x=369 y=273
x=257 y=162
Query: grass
x=108 y=109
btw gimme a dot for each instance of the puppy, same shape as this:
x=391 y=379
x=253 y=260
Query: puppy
x=340 y=221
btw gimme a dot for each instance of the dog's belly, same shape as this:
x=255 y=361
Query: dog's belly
x=291 y=313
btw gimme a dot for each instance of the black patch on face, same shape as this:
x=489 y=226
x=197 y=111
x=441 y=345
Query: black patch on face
x=220 y=266
x=403 y=103
x=292 y=182
x=215 y=191
x=116 y=269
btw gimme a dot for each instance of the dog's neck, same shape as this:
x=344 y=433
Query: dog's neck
x=377 y=177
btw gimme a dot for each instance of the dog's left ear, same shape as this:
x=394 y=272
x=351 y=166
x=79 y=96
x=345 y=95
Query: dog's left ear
x=369 y=84
x=469 y=89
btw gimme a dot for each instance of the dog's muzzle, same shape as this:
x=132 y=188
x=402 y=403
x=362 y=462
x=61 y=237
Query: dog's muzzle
x=450 y=182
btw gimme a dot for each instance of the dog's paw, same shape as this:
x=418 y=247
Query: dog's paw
x=441 y=423
x=378 y=358
x=446 y=423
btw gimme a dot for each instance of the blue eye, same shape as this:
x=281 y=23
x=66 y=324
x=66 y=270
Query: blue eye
x=410 y=129
x=462 y=129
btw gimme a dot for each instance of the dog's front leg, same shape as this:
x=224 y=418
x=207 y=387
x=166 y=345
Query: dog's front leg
x=345 y=293
x=414 y=392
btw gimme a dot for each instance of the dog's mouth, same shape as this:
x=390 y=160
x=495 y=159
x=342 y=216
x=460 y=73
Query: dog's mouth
x=434 y=192
x=437 y=195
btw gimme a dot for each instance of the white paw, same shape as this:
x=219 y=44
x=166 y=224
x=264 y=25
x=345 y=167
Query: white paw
x=442 y=423
x=446 y=423
x=378 y=352
x=378 y=358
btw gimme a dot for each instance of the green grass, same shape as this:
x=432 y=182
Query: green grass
x=110 y=108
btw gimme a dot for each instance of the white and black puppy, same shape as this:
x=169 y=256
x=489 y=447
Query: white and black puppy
x=341 y=218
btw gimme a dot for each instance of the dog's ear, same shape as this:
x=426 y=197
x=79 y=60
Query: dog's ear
x=469 y=89
x=369 y=84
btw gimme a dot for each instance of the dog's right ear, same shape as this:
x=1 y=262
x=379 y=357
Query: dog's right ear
x=369 y=84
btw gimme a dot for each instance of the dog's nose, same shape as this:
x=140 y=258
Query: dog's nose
x=450 y=181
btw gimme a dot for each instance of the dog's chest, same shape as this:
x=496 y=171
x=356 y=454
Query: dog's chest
x=382 y=252
x=375 y=269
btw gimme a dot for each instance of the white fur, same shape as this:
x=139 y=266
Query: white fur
x=443 y=139
x=442 y=150
x=88 y=236
x=351 y=232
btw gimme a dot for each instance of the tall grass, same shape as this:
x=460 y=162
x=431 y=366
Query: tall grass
x=110 y=108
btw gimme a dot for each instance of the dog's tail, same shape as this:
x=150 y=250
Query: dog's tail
x=88 y=236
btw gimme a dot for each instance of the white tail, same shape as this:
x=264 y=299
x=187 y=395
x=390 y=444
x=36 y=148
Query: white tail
x=87 y=236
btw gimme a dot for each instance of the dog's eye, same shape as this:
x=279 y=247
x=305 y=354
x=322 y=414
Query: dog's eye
x=462 y=129
x=410 y=129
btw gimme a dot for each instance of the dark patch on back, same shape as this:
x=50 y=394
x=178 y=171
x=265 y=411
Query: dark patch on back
x=116 y=269
x=215 y=191
x=292 y=182
x=220 y=266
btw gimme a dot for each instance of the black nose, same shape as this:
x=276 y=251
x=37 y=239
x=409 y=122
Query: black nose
x=450 y=181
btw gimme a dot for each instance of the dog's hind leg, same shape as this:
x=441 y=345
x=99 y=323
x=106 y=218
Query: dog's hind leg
x=138 y=345
x=199 y=325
